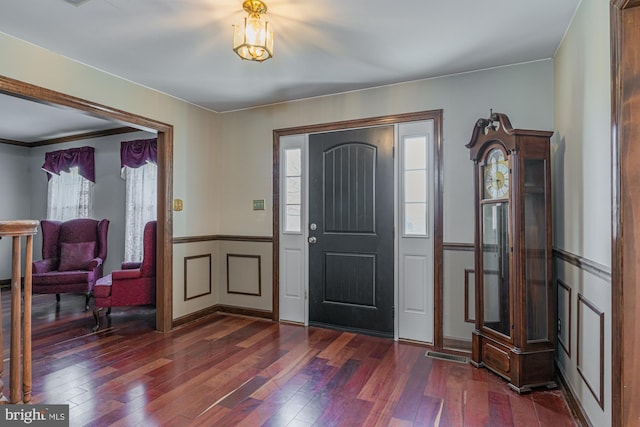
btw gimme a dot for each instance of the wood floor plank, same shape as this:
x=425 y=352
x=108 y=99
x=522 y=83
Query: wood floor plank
x=429 y=411
x=413 y=392
x=523 y=412
x=392 y=366
x=500 y=411
x=239 y=412
x=476 y=408
x=439 y=379
x=336 y=345
x=453 y=407
x=382 y=410
x=243 y=392
x=131 y=411
x=287 y=412
x=552 y=409
x=290 y=369
x=229 y=370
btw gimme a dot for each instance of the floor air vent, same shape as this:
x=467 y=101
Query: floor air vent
x=444 y=356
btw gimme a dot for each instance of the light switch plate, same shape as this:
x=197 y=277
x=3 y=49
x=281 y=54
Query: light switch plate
x=258 y=205
x=177 y=205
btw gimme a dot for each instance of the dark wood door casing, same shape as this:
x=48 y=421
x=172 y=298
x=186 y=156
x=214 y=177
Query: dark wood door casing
x=625 y=158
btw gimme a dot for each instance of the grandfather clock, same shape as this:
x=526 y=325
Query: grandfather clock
x=514 y=335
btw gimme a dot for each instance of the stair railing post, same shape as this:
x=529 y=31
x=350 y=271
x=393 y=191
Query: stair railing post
x=16 y=230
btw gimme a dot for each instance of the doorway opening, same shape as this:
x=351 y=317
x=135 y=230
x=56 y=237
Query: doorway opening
x=164 y=251
x=401 y=208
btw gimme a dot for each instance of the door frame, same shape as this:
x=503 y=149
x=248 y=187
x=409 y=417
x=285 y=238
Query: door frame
x=625 y=297
x=436 y=116
x=164 y=251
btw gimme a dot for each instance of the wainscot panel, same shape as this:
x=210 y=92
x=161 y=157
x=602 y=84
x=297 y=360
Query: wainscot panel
x=458 y=296
x=583 y=353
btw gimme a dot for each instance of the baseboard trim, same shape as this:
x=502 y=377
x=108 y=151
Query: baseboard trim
x=251 y=312
x=457 y=344
x=221 y=308
x=574 y=405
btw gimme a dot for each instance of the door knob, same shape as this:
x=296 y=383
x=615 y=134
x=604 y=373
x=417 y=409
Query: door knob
x=312 y=240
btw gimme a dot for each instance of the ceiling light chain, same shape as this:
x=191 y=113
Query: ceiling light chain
x=253 y=40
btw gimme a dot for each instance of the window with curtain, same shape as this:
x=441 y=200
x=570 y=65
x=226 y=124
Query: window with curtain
x=71 y=174
x=140 y=171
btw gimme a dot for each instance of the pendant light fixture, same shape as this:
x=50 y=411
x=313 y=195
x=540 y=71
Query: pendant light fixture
x=253 y=40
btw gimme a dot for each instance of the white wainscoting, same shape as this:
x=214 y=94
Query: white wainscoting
x=458 y=315
x=583 y=353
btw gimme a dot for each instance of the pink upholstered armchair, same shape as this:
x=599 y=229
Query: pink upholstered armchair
x=135 y=284
x=73 y=253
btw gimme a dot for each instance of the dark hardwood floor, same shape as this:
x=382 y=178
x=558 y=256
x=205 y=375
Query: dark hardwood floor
x=237 y=371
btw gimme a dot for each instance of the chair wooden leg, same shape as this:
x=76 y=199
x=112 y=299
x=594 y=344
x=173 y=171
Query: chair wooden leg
x=86 y=303
x=108 y=311
x=96 y=316
x=57 y=297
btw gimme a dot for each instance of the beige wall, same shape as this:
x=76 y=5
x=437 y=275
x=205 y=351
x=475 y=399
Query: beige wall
x=524 y=92
x=582 y=148
x=581 y=160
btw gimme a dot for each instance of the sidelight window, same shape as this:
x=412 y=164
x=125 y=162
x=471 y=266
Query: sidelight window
x=414 y=185
x=293 y=190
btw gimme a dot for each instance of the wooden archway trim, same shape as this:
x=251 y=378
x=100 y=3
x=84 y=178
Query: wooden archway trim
x=625 y=243
x=164 y=265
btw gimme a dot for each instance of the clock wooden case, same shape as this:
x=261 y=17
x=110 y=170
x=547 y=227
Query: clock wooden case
x=514 y=335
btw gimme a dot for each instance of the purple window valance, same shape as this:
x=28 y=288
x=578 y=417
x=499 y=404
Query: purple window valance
x=137 y=153
x=63 y=160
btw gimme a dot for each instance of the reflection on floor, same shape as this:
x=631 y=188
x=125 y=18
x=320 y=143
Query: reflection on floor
x=230 y=370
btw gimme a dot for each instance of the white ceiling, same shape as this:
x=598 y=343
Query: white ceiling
x=183 y=47
x=27 y=121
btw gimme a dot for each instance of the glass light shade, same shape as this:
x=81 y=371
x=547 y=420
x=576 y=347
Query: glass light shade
x=253 y=41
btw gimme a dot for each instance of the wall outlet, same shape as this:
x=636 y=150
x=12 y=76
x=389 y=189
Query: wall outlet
x=258 y=205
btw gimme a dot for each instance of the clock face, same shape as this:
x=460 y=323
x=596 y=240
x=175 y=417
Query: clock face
x=496 y=175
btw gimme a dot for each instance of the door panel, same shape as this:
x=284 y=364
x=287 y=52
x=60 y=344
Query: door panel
x=351 y=205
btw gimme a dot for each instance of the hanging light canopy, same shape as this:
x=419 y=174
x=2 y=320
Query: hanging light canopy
x=254 y=39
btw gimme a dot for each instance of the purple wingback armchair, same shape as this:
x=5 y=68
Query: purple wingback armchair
x=135 y=284
x=73 y=253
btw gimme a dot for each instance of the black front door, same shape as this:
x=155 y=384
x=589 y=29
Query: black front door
x=351 y=229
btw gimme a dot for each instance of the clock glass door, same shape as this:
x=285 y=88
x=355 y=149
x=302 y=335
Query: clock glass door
x=495 y=266
x=535 y=239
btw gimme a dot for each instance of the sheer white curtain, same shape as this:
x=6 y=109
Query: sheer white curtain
x=69 y=196
x=140 y=205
